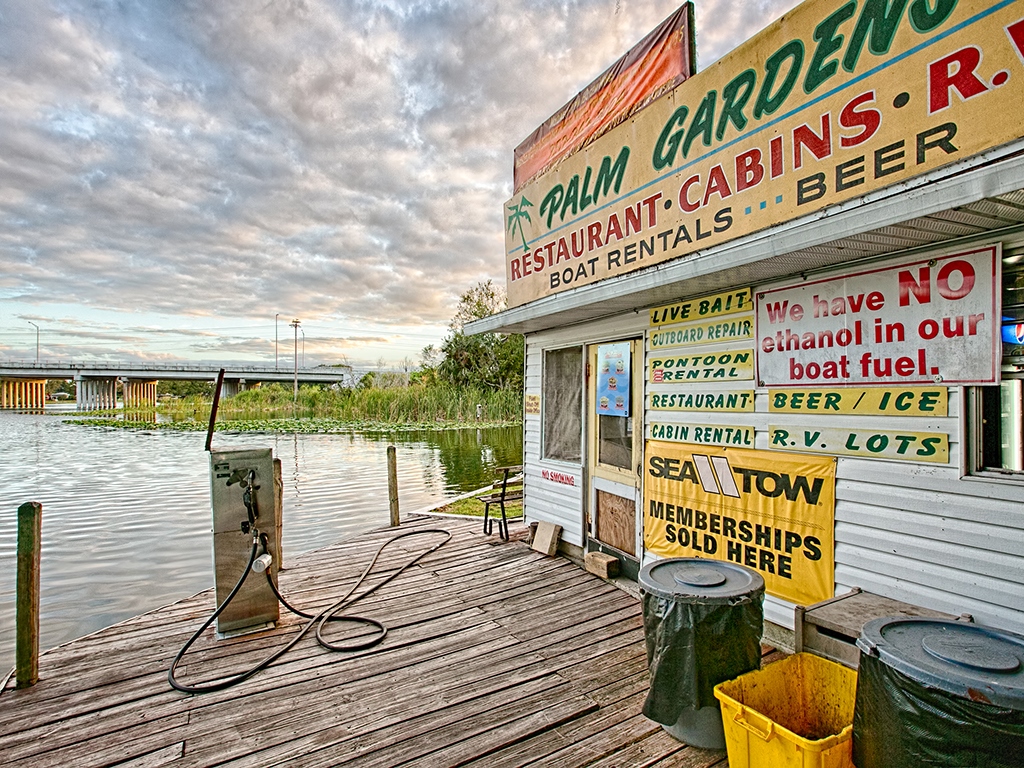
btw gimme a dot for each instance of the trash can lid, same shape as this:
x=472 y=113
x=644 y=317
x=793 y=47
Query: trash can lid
x=977 y=663
x=697 y=577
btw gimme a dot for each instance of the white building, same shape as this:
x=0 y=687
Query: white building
x=805 y=286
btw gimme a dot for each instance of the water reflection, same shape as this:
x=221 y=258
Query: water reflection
x=126 y=514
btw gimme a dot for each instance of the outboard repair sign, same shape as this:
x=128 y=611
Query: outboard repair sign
x=770 y=511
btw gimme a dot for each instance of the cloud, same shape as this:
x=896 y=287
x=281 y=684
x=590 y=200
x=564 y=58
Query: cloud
x=349 y=157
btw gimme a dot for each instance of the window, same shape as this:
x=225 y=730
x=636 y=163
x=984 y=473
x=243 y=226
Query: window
x=996 y=413
x=562 y=395
x=615 y=441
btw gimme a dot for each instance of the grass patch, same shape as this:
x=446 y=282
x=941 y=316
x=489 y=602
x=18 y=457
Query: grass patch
x=473 y=507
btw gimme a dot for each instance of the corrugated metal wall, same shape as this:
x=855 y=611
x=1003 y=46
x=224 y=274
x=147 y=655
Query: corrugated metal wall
x=908 y=531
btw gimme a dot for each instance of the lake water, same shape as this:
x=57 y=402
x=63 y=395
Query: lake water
x=126 y=514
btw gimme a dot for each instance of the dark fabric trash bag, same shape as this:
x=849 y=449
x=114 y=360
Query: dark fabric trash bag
x=695 y=643
x=938 y=692
x=900 y=723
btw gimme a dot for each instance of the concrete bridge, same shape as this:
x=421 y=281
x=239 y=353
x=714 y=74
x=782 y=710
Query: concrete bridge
x=23 y=384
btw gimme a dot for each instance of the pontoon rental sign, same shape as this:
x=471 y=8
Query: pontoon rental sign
x=835 y=99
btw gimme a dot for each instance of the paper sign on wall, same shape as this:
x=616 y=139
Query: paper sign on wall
x=613 y=369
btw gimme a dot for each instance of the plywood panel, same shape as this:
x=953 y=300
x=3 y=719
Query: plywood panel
x=616 y=522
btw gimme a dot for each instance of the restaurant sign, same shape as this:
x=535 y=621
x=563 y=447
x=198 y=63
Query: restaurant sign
x=834 y=100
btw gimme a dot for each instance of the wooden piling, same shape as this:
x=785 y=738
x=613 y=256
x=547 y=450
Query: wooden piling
x=393 y=486
x=279 y=500
x=30 y=516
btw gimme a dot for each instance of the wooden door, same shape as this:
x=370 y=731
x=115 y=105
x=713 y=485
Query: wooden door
x=614 y=442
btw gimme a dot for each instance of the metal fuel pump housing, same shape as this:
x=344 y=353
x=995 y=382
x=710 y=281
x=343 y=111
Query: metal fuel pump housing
x=244 y=500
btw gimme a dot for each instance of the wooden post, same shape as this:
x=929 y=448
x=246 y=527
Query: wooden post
x=279 y=500
x=30 y=516
x=393 y=486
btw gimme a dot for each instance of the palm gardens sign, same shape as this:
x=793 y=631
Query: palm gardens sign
x=836 y=99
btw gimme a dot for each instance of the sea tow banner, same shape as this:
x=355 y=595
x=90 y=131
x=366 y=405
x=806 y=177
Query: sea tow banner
x=931 y=447
x=901 y=401
x=922 y=321
x=769 y=511
x=832 y=101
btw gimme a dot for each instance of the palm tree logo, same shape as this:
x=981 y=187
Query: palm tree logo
x=515 y=219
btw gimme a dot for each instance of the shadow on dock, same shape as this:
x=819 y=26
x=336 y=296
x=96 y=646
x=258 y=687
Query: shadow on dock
x=496 y=656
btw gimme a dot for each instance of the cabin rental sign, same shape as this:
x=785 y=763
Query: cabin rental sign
x=836 y=99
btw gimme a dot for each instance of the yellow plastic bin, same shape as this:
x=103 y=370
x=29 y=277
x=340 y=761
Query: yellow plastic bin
x=796 y=712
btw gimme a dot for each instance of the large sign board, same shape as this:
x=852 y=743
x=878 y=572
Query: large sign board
x=773 y=512
x=662 y=60
x=927 y=320
x=834 y=100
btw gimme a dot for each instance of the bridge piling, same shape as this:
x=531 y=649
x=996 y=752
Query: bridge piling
x=139 y=394
x=22 y=393
x=96 y=394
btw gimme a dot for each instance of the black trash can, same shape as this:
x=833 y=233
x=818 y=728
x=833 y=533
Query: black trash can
x=702 y=624
x=936 y=692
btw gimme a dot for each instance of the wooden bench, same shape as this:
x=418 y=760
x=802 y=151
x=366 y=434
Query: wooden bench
x=508 y=488
x=830 y=628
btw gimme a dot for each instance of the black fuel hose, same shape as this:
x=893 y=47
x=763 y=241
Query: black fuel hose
x=330 y=613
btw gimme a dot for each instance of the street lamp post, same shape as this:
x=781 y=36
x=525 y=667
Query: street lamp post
x=295 y=391
x=37 y=340
x=276 y=315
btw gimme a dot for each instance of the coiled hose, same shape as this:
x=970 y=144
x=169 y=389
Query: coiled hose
x=329 y=613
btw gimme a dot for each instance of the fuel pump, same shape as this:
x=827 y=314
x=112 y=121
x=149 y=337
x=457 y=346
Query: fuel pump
x=245 y=510
x=247 y=539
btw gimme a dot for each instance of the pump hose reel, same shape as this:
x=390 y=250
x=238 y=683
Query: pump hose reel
x=331 y=613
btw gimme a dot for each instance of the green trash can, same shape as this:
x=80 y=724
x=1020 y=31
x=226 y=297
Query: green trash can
x=702 y=626
x=937 y=692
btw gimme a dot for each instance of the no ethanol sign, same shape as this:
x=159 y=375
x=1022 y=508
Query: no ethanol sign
x=925 y=321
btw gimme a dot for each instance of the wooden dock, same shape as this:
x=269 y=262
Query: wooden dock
x=496 y=656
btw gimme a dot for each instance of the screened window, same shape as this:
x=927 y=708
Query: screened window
x=562 y=410
x=996 y=413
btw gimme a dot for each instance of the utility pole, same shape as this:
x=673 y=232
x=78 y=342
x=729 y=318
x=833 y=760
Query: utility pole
x=295 y=392
x=303 y=348
x=37 y=340
x=276 y=315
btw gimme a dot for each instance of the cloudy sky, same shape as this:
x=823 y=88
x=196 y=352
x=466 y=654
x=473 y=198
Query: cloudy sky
x=175 y=173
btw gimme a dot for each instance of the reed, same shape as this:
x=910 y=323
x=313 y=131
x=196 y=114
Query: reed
x=437 y=402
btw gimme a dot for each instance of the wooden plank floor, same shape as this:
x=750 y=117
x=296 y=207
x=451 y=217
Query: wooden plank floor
x=496 y=656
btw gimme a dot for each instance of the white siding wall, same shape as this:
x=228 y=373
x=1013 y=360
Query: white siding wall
x=913 y=532
x=544 y=499
x=924 y=534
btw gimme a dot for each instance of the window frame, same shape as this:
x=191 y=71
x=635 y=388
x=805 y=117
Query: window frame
x=975 y=402
x=546 y=404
